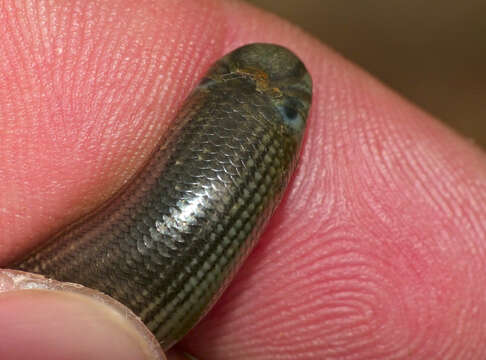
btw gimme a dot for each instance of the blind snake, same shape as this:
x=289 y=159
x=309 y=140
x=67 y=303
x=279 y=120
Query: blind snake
x=170 y=241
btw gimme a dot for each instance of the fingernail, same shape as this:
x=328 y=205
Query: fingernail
x=46 y=319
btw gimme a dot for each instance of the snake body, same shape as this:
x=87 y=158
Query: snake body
x=169 y=242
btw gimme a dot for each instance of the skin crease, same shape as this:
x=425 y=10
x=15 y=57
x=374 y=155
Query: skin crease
x=378 y=249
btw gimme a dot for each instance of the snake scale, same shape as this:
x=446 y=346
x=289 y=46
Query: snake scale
x=170 y=241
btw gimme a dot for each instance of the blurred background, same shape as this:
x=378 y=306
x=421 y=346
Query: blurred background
x=432 y=52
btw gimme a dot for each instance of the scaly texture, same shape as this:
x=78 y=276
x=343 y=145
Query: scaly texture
x=170 y=241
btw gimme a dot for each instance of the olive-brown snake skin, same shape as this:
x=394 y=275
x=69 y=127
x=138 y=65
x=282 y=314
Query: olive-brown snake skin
x=170 y=241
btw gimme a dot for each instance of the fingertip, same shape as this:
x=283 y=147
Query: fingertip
x=109 y=77
x=387 y=205
x=45 y=319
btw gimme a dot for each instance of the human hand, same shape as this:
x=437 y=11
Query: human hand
x=377 y=251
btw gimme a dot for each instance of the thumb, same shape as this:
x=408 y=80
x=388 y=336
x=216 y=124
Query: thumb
x=378 y=251
x=67 y=321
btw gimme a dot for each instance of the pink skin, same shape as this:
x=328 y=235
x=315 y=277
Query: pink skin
x=378 y=250
x=46 y=325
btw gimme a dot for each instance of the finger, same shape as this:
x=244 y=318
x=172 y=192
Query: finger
x=88 y=89
x=43 y=319
x=358 y=201
x=378 y=250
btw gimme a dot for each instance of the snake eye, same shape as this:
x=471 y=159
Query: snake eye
x=291 y=115
x=290 y=112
